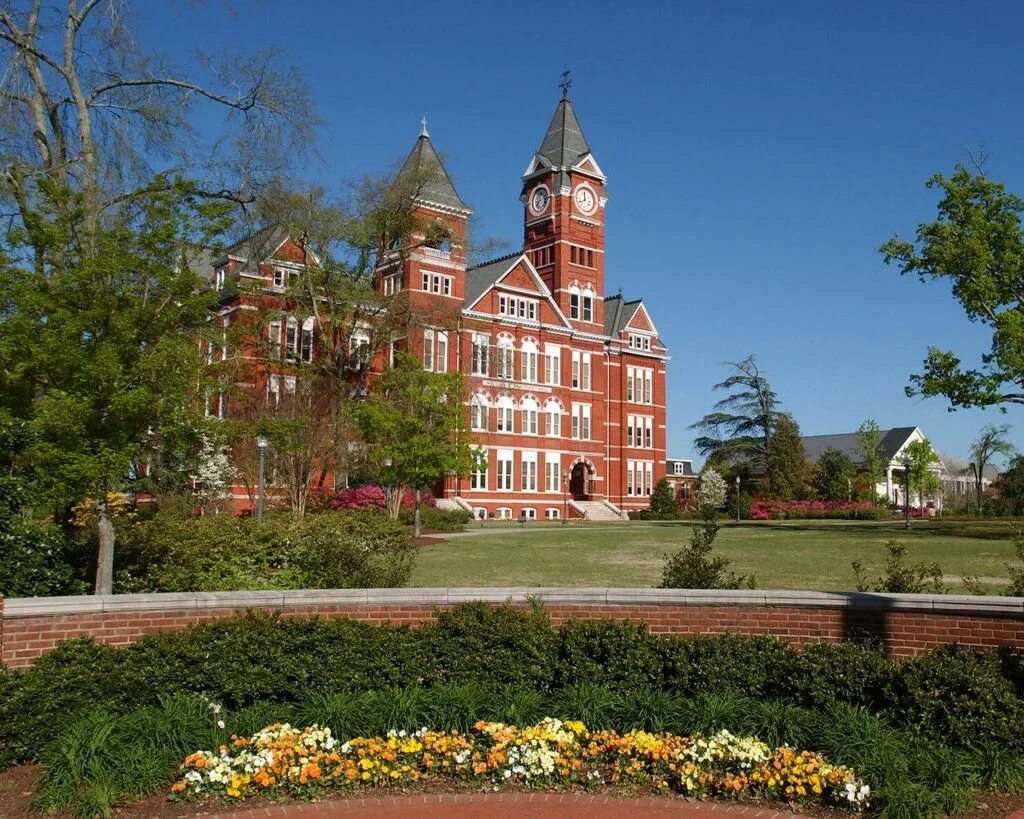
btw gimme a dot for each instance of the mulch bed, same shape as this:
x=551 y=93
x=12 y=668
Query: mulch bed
x=16 y=788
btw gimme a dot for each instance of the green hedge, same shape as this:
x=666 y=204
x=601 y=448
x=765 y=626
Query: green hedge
x=339 y=549
x=438 y=520
x=964 y=698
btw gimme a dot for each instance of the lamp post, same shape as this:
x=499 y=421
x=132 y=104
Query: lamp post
x=565 y=497
x=261 y=445
x=737 y=498
x=906 y=493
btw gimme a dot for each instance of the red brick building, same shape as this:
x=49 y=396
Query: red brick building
x=566 y=386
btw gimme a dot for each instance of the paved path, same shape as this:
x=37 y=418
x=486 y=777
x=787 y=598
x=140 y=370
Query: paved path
x=541 y=805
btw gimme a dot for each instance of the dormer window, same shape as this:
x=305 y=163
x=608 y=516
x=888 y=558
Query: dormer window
x=280 y=278
x=219 y=277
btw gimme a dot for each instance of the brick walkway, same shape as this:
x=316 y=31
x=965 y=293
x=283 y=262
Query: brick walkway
x=543 y=805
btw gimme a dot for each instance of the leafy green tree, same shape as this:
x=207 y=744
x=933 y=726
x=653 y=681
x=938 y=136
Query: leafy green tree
x=663 y=501
x=788 y=473
x=923 y=480
x=977 y=245
x=834 y=474
x=98 y=351
x=413 y=426
x=742 y=424
x=1011 y=485
x=869 y=441
x=990 y=443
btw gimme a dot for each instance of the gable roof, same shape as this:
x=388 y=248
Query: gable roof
x=437 y=186
x=484 y=276
x=891 y=442
x=617 y=313
x=254 y=248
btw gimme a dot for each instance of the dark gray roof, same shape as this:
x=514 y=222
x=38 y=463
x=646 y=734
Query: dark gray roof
x=254 y=248
x=200 y=260
x=437 y=186
x=483 y=276
x=564 y=144
x=617 y=313
x=687 y=467
x=891 y=442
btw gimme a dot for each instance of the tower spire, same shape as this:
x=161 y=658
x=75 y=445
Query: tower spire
x=423 y=127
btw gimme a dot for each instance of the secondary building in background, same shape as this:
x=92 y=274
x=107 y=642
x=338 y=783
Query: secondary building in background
x=680 y=474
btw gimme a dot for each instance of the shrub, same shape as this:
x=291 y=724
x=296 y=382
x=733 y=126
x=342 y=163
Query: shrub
x=33 y=556
x=954 y=696
x=362 y=497
x=663 y=500
x=437 y=520
x=901 y=578
x=812 y=509
x=345 y=549
x=694 y=567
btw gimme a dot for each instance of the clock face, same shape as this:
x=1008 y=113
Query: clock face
x=585 y=199
x=539 y=200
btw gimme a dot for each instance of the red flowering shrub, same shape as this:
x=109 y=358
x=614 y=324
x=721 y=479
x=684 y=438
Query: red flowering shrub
x=799 y=510
x=361 y=497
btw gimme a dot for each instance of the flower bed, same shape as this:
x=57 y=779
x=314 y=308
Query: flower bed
x=800 y=510
x=283 y=760
x=362 y=497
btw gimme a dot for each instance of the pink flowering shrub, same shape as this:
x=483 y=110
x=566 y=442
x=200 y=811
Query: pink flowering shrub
x=362 y=497
x=799 y=510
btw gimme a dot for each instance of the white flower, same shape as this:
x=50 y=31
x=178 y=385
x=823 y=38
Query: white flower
x=220 y=723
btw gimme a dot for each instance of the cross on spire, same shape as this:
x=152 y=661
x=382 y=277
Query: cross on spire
x=565 y=84
x=423 y=127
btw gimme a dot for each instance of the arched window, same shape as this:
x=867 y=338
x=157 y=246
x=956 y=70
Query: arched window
x=574 y=302
x=478 y=411
x=529 y=368
x=505 y=357
x=552 y=418
x=529 y=408
x=505 y=410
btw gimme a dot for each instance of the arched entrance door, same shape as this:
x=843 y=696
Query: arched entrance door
x=579 y=482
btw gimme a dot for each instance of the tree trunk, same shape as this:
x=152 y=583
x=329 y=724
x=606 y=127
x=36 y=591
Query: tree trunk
x=105 y=558
x=416 y=517
x=977 y=487
x=393 y=500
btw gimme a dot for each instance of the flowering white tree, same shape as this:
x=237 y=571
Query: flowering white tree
x=710 y=491
x=214 y=475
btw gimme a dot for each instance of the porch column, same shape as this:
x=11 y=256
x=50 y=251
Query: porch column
x=888 y=483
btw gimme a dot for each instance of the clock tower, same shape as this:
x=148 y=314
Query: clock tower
x=564 y=197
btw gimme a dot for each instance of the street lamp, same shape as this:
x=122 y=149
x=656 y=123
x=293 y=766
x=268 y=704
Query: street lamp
x=261 y=445
x=737 y=498
x=565 y=497
x=906 y=493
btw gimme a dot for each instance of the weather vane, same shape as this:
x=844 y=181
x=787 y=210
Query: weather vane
x=565 y=83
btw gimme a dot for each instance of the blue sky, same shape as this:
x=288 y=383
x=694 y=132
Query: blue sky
x=757 y=154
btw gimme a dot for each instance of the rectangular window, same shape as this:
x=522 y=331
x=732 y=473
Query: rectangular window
x=648 y=391
x=650 y=477
x=478 y=416
x=436 y=281
x=478 y=471
x=529 y=421
x=479 y=354
x=426 y=282
x=504 y=419
x=588 y=307
x=504 y=471
x=552 y=365
x=629 y=430
x=274 y=335
x=447 y=285
x=649 y=433
x=585 y=380
x=506 y=362
x=575 y=370
x=629 y=383
x=442 y=352
x=280 y=278
x=554 y=422
x=428 y=349
x=574 y=305
x=529 y=472
x=529 y=372
x=306 y=344
x=585 y=423
x=630 y=485
x=581 y=422
x=551 y=469
x=291 y=340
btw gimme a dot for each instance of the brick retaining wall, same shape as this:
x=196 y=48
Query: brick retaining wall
x=906 y=623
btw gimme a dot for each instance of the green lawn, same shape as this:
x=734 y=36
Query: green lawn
x=782 y=554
